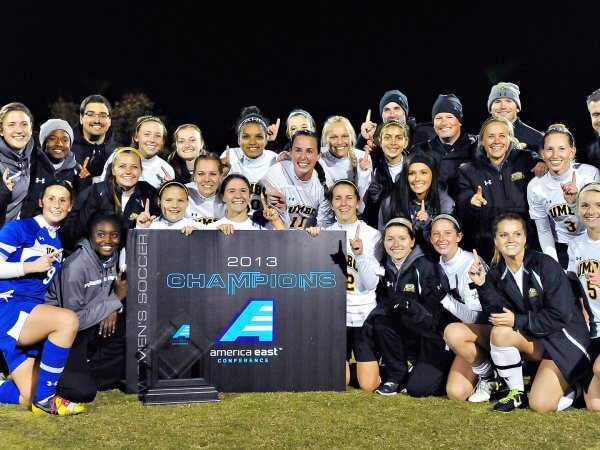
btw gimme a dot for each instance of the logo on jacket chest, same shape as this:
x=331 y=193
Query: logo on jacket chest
x=517 y=176
x=409 y=287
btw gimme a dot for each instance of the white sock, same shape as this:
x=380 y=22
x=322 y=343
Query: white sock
x=566 y=401
x=508 y=363
x=484 y=370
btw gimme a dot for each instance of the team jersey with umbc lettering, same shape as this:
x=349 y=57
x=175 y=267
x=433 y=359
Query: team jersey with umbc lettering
x=305 y=200
x=584 y=257
x=545 y=198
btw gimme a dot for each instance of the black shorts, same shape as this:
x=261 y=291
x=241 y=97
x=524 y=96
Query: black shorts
x=595 y=349
x=359 y=342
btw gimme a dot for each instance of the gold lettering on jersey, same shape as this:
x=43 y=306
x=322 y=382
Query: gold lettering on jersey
x=589 y=266
x=559 y=210
x=205 y=220
x=256 y=189
x=302 y=209
x=517 y=176
x=532 y=292
x=409 y=287
x=351 y=262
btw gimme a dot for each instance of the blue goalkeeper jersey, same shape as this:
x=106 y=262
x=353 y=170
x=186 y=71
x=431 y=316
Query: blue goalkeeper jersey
x=24 y=241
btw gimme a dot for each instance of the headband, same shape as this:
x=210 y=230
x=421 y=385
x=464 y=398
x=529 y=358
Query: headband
x=172 y=183
x=593 y=186
x=127 y=150
x=400 y=221
x=252 y=118
x=447 y=217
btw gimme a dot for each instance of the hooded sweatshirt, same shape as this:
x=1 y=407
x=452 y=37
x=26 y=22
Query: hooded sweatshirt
x=16 y=162
x=86 y=286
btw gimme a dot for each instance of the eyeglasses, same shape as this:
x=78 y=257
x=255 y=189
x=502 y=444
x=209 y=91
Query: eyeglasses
x=101 y=115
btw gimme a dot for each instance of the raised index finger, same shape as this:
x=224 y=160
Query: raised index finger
x=368 y=119
x=423 y=205
x=476 y=257
x=574 y=179
x=356 y=235
x=147 y=207
x=85 y=162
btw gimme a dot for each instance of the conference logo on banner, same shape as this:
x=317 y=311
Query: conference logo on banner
x=253 y=324
x=182 y=335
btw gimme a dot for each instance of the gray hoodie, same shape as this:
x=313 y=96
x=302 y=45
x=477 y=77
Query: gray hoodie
x=85 y=286
x=16 y=163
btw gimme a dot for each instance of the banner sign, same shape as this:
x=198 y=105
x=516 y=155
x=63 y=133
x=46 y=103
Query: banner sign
x=256 y=311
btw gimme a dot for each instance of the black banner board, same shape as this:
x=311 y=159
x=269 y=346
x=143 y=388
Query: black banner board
x=258 y=311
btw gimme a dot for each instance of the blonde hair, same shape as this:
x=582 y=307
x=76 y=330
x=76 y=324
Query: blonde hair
x=509 y=126
x=142 y=120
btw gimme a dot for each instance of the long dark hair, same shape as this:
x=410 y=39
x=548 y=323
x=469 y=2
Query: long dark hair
x=402 y=195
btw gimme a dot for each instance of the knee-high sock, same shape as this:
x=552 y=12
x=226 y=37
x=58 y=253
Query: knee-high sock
x=53 y=362
x=484 y=370
x=508 y=362
x=9 y=393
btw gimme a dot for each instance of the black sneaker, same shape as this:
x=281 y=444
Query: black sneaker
x=388 y=388
x=515 y=399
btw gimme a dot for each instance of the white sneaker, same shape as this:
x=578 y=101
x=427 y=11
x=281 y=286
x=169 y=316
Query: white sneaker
x=484 y=389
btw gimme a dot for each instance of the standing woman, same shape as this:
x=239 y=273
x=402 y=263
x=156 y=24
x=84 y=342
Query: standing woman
x=53 y=161
x=340 y=160
x=549 y=204
x=393 y=139
x=16 y=147
x=411 y=294
x=295 y=188
x=534 y=315
x=121 y=193
x=149 y=138
x=205 y=204
x=250 y=158
x=187 y=146
x=363 y=272
x=584 y=264
x=494 y=183
x=417 y=196
x=35 y=338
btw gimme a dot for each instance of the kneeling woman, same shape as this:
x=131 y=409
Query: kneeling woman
x=583 y=264
x=173 y=201
x=235 y=192
x=363 y=273
x=30 y=257
x=91 y=285
x=534 y=315
x=412 y=293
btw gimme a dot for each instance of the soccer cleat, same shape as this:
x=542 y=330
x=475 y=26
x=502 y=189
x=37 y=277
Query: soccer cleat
x=57 y=406
x=388 y=388
x=515 y=399
x=485 y=389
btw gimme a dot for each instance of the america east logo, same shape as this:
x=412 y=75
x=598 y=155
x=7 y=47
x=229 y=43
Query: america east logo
x=182 y=335
x=254 y=323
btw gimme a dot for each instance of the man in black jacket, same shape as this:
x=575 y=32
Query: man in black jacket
x=92 y=136
x=452 y=146
x=593 y=104
x=504 y=101
x=393 y=106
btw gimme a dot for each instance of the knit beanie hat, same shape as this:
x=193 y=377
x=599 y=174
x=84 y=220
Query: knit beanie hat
x=54 y=124
x=448 y=103
x=394 y=96
x=506 y=90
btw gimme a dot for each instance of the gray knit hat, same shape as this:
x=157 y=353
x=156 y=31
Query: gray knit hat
x=394 y=96
x=54 y=124
x=506 y=90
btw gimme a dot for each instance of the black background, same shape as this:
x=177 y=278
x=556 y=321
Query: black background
x=202 y=61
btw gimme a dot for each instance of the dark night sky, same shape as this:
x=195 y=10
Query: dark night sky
x=202 y=61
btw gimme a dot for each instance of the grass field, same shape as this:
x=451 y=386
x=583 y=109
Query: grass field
x=323 y=419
